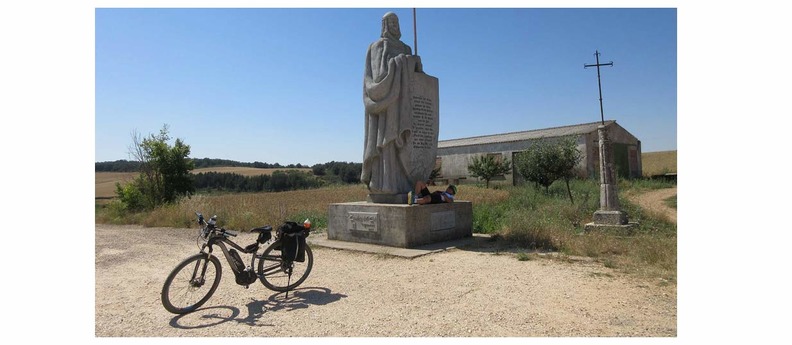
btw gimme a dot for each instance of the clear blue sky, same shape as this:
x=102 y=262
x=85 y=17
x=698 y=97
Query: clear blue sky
x=285 y=85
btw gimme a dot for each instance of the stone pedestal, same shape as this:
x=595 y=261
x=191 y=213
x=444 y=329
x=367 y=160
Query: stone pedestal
x=626 y=229
x=404 y=226
x=610 y=217
x=387 y=198
x=613 y=222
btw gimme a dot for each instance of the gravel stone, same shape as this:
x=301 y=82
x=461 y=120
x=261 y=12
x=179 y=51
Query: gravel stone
x=465 y=292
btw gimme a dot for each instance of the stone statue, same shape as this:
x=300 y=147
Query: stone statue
x=390 y=66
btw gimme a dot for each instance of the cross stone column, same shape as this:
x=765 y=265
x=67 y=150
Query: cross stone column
x=609 y=212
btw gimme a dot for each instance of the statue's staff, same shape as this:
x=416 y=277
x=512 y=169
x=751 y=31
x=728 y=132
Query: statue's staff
x=415 y=33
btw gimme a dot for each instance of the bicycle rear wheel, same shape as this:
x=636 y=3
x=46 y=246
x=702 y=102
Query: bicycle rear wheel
x=191 y=284
x=279 y=275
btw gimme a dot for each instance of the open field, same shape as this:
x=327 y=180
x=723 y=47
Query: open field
x=658 y=163
x=105 y=181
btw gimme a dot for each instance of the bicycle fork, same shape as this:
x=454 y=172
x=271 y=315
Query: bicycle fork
x=198 y=281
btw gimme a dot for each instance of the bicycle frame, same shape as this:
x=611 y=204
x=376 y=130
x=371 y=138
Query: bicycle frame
x=221 y=241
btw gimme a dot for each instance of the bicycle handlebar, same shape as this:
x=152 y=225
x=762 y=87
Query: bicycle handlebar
x=211 y=225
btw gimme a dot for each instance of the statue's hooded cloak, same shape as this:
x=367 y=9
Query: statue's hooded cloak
x=388 y=124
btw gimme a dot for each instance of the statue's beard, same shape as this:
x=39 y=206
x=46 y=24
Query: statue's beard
x=393 y=34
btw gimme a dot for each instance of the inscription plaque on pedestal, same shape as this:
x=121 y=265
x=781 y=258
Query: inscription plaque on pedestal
x=362 y=221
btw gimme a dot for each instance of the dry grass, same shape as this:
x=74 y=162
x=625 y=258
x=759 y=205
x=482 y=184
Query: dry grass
x=477 y=194
x=658 y=163
x=247 y=210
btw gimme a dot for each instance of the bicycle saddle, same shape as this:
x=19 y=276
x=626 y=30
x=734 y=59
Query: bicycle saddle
x=265 y=228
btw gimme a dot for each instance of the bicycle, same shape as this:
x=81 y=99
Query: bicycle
x=195 y=279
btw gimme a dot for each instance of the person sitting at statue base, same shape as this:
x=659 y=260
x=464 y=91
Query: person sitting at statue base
x=423 y=196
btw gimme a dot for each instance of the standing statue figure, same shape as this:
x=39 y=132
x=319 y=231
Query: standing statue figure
x=387 y=149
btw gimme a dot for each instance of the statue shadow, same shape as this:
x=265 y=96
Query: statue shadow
x=300 y=298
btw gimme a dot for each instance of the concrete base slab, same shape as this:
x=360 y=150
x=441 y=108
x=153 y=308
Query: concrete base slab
x=610 y=217
x=620 y=230
x=321 y=240
x=403 y=226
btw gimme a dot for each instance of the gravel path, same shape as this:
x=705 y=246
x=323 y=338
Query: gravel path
x=474 y=291
x=654 y=202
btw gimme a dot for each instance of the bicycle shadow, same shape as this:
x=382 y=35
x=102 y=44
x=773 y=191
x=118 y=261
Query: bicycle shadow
x=300 y=298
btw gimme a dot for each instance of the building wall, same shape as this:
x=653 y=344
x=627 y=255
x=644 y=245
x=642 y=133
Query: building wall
x=454 y=160
x=625 y=147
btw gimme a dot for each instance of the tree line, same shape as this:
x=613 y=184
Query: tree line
x=335 y=172
x=215 y=162
x=279 y=181
x=123 y=165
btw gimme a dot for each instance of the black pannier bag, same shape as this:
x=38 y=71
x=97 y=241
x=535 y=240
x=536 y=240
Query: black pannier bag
x=292 y=242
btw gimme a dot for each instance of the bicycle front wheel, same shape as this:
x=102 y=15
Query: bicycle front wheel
x=279 y=275
x=191 y=283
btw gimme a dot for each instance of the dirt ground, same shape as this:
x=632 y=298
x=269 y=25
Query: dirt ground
x=653 y=202
x=475 y=291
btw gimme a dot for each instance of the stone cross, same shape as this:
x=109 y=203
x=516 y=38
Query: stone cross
x=609 y=213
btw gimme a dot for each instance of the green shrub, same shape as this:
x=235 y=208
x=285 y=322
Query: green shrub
x=488 y=218
x=130 y=196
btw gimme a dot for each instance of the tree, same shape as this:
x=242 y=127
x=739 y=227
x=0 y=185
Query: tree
x=545 y=162
x=319 y=169
x=570 y=157
x=486 y=167
x=164 y=171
